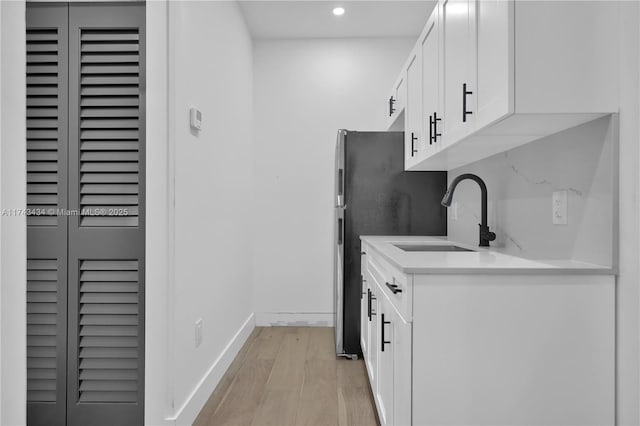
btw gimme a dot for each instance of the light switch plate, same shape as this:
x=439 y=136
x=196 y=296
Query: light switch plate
x=198 y=332
x=559 y=207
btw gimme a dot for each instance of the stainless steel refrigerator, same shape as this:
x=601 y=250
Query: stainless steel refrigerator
x=375 y=196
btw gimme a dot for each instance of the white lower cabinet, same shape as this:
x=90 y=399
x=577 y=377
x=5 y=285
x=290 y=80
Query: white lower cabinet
x=479 y=349
x=388 y=353
x=394 y=366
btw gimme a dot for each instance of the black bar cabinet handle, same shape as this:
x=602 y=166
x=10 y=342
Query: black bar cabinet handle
x=339 y=232
x=414 y=138
x=370 y=297
x=391 y=108
x=436 y=135
x=382 y=333
x=394 y=288
x=431 y=138
x=465 y=92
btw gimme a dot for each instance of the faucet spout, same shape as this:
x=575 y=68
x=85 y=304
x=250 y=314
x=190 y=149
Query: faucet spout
x=485 y=233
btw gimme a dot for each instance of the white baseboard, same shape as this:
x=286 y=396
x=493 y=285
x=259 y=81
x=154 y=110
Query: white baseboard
x=293 y=319
x=187 y=414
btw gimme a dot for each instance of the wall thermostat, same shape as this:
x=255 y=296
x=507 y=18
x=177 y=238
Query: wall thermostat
x=195 y=118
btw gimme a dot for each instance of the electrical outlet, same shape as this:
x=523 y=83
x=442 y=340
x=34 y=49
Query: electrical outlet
x=559 y=203
x=198 y=332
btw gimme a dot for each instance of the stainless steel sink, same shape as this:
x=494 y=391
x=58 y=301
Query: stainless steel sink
x=430 y=247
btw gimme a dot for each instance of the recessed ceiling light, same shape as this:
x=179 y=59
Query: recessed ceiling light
x=338 y=11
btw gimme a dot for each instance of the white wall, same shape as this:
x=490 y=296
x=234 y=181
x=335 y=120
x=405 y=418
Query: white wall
x=210 y=66
x=305 y=90
x=520 y=184
x=13 y=249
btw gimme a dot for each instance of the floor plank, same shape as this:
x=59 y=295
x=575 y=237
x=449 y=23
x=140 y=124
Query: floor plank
x=241 y=402
x=267 y=343
x=288 y=367
x=321 y=344
x=355 y=407
x=352 y=373
x=319 y=398
x=277 y=408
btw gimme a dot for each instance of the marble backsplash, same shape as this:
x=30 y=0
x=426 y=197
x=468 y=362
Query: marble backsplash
x=520 y=182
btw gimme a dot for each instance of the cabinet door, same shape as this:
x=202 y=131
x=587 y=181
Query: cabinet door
x=431 y=86
x=364 y=314
x=458 y=20
x=413 y=110
x=386 y=362
x=372 y=353
x=400 y=94
x=395 y=103
x=495 y=42
x=402 y=350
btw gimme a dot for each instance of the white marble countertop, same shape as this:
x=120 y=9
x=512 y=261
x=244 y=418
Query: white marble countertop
x=479 y=261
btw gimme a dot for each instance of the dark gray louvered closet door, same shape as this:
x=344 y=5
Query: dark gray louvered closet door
x=47 y=151
x=104 y=243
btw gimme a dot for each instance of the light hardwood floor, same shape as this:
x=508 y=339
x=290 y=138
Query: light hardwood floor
x=291 y=376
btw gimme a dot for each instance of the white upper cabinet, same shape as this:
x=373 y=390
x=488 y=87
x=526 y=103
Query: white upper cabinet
x=494 y=37
x=413 y=112
x=459 y=64
x=501 y=73
x=432 y=110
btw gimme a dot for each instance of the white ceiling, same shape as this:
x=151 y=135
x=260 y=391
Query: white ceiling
x=314 y=19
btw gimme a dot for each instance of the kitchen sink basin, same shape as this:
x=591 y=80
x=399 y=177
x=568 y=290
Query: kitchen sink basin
x=430 y=247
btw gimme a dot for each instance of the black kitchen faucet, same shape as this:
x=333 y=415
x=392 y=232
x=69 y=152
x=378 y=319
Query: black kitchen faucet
x=485 y=234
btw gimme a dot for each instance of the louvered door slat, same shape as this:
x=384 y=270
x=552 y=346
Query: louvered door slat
x=102 y=36
x=111 y=330
x=45 y=112
x=109 y=127
x=121 y=79
x=108 y=102
x=108 y=375
x=40 y=101
x=109 y=321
